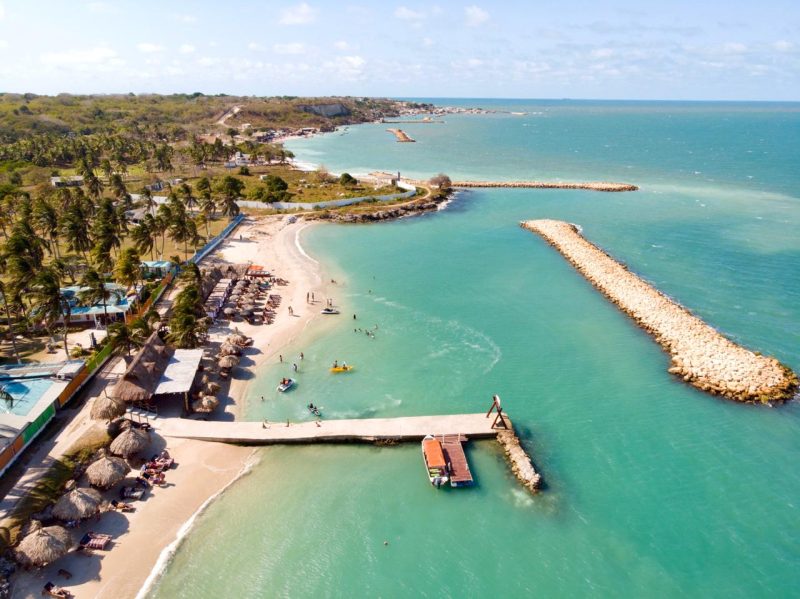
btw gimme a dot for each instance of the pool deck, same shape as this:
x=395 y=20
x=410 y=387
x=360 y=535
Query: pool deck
x=411 y=428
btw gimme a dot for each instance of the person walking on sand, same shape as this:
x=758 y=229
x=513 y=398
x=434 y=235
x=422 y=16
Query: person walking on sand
x=307 y=297
x=291 y=312
x=280 y=357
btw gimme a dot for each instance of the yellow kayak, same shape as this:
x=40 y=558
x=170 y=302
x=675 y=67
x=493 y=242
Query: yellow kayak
x=342 y=368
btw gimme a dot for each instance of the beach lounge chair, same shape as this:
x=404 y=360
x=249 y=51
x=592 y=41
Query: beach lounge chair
x=121 y=506
x=94 y=540
x=53 y=590
x=131 y=493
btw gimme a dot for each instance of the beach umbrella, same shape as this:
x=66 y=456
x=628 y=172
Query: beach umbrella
x=77 y=504
x=213 y=388
x=107 y=408
x=229 y=349
x=107 y=472
x=228 y=361
x=237 y=339
x=43 y=546
x=129 y=442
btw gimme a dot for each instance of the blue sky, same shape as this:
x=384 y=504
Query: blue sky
x=672 y=49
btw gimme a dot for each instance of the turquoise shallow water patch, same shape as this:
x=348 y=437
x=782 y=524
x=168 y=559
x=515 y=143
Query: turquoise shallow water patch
x=652 y=488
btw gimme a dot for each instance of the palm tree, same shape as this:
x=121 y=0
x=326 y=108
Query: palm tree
x=128 y=269
x=8 y=322
x=49 y=302
x=96 y=290
x=119 y=335
x=143 y=235
x=75 y=229
x=163 y=221
x=230 y=188
x=185 y=191
x=45 y=219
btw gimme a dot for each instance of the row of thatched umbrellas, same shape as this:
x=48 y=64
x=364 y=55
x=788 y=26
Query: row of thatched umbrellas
x=44 y=545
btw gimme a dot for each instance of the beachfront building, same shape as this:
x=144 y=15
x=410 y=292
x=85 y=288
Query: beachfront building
x=158 y=372
x=73 y=181
x=30 y=395
x=156 y=269
x=121 y=302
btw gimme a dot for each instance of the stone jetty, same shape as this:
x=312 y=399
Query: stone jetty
x=590 y=185
x=518 y=459
x=700 y=355
x=401 y=135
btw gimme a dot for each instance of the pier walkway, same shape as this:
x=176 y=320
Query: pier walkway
x=368 y=429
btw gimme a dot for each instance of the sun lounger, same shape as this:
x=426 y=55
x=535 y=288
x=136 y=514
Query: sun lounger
x=122 y=506
x=95 y=540
x=53 y=590
x=131 y=493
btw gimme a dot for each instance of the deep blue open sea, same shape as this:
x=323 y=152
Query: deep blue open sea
x=653 y=489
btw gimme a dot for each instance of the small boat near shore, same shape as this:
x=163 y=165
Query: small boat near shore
x=285 y=385
x=435 y=464
x=329 y=311
x=314 y=409
x=342 y=368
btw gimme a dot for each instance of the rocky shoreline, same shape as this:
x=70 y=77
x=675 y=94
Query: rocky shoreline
x=426 y=204
x=701 y=356
x=591 y=186
x=520 y=462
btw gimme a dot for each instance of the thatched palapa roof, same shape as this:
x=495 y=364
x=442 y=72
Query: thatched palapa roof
x=228 y=361
x=107 y=471
x=77 y=504
x=141 y=377
x=129 y=442
x=107 y=408
x=44 y=546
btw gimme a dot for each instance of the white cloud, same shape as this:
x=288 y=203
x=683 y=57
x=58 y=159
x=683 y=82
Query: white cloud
x=783 y=46
x=475 y=15
x=90 y=56
x=207 y=61
x=291 y=48
x=300 y=14
x=602 y=53
x=347 y=67
x=2 y=10
x=427 y=42
x=149 y=48
x=341 y=45
x=255 y=46
x=406 y=14
x=186 y=18
x=734 y=48
x=186 y=49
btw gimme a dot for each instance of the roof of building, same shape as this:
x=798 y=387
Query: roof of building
x=180 y=372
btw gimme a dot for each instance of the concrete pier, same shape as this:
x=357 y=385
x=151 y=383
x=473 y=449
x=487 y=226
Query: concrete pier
x=700 y=354
x=413 y=428
x=590 y=185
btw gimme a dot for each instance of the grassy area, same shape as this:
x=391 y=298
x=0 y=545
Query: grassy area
x=50 y=487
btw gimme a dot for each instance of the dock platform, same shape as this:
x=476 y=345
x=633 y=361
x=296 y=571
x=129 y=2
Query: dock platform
x=366 y=430
x=453 y=448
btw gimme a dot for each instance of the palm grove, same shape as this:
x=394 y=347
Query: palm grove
x=55 y=237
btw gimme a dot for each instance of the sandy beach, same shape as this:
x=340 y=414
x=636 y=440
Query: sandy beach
x=144 y=539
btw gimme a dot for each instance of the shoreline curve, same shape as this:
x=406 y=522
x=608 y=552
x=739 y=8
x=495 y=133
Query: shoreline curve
x=700 y=355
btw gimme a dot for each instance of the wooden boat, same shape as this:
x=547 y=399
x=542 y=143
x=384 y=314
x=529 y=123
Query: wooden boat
x=343 y=368
x=435 y=463
x=285 y=385
x=329 y=311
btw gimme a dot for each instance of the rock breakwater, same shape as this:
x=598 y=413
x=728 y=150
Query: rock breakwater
x=520 y=463
x=700 y=355
x=591 y=185
x=401 y=135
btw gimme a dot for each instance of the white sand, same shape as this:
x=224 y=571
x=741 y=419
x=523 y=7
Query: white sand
x=204 y=469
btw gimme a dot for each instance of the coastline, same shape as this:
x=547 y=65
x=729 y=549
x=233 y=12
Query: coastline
x=145 y=540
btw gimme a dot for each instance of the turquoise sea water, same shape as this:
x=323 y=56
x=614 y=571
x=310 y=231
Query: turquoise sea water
x=652 y=488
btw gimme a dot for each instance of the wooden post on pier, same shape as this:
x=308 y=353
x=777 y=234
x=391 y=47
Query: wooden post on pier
x=499 y=418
